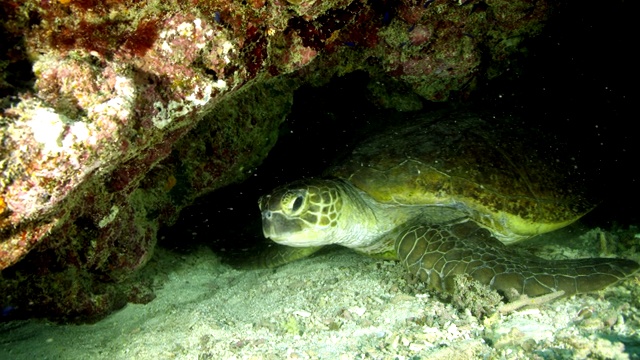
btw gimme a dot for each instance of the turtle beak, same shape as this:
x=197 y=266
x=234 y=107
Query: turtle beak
x=268 y=229
x=267 y=226
x=277 y=227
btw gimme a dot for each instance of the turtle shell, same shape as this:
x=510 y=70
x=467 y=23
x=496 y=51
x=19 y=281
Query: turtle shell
x=503 y=174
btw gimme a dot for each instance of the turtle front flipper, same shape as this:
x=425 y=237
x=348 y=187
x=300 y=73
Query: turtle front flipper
x=273 y=256
x=436 y=254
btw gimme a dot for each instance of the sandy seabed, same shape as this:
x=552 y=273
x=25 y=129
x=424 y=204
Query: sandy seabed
x=336 y=305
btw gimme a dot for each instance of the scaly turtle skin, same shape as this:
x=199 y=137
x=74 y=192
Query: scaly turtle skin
x=445 y=196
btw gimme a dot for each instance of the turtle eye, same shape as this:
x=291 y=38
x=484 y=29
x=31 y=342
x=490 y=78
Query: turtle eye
x=297 y=203
x=293 y=203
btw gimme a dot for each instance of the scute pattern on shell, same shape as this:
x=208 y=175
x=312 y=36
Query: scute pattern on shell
x=500 y=172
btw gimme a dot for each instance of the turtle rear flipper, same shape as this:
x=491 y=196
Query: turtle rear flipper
x=436 y=254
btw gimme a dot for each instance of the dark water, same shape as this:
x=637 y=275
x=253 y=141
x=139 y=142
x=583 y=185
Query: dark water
x=575 y=80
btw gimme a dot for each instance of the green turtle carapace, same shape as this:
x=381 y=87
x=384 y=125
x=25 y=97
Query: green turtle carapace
x=449 y=194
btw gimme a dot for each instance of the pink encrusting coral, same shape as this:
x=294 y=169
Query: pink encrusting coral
x=138 y=107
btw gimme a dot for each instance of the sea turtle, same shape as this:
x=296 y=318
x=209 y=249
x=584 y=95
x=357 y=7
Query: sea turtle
x=446 y=195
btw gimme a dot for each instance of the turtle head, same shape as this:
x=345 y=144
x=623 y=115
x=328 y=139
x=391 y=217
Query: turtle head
x=303 y=213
